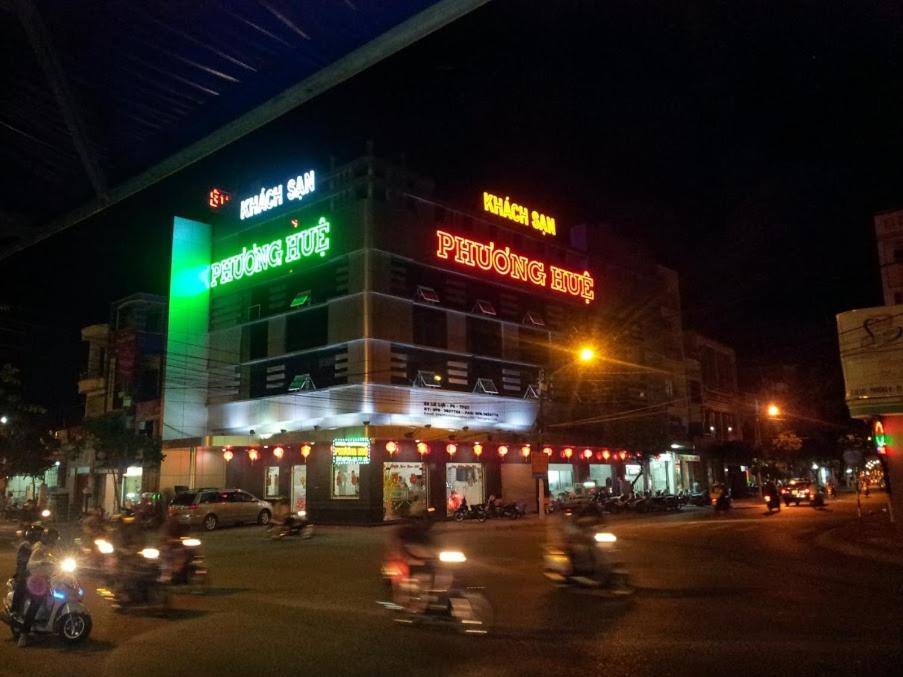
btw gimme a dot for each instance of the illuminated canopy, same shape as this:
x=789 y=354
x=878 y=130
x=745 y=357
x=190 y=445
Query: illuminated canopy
x=512 y=265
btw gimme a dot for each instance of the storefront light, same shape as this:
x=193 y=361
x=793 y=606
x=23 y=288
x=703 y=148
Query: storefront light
x=525 y=451
x=503 y=451
x=587 y=454
x=253 y=454
x=422 y=448
x=451 y=449
x=278 y=452
x=228 y=455
x=622 y=454
x=547 y=451
x=606 y=454
x=567 y=453
x=391 y=448
x=305 y=450
x=477 y=449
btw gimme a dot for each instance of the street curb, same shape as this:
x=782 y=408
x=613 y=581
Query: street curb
x=830 y=540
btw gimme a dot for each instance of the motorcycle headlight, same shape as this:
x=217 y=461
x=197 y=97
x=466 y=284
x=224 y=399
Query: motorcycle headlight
x=452 y=556
x=191 y=542
x=150 y=553
x=605 y=537
x=68 y=565
x=302 y=513
x=45 y=514
x=104 y=547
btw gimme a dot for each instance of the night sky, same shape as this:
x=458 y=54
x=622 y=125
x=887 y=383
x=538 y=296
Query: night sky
x=746 y=144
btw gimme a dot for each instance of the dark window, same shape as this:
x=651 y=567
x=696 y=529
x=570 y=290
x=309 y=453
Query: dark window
x=533 y=346
x=185 y=499
x=484 y=337
x=430 y=327
x=695 y=392
x=306 y=330
x=427 y=294
x=257 y=335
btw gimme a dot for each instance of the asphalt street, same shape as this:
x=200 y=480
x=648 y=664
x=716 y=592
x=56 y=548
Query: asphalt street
x=740 y=593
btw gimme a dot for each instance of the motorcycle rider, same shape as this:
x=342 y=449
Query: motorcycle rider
x=577 y=530
x=173 y=552
x=39 y=568
x=30 y=536
x=771 y=493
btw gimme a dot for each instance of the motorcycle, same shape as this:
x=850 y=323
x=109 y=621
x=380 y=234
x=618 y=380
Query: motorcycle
x=292 y=525
x=137 y=581
x=773 y=502
x=62 y=612
x=430 y=591
x=590 y=565
x=723 y=502
x=184 y=563
x=470 y=512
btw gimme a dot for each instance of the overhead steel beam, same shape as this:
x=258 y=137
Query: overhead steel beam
x=59 y=83
x=387 y=44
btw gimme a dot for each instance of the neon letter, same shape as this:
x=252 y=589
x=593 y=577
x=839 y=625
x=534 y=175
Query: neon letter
x=446 y=244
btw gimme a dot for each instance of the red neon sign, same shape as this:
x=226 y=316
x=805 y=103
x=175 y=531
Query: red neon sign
x=510 y=264
x=218 y=198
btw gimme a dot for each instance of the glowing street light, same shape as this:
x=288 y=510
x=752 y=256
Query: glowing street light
x=773 y=410
x=586 y=354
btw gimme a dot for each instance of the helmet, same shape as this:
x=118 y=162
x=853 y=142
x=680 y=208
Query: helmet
x=50 y=536
x=33 y=533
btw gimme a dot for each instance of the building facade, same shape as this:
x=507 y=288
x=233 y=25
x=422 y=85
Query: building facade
x=123 y=372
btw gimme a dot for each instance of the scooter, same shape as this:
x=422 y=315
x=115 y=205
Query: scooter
x=773 y=502
x=62 y=613
x=590 y=565
x=723 y=502
x=186 y=565
x=293 y=525
x=431 y=592
x=470 y=512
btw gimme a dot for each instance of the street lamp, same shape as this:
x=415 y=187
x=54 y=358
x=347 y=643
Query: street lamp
x=586 y=354
x=4 y=419
x=773 y=410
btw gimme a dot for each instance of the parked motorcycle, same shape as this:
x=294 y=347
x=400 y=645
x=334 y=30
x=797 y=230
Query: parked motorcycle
x=595 y=565
x=431 y=591
x=470 y=512
x=62 y=612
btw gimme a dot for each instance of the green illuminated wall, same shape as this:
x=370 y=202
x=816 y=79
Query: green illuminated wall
x=185 y=380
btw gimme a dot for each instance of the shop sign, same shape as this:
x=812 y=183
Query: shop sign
x=871 y=354
x=507 y=263
x=257 y=258
x=457 y=410
x=690 y=458
x=518 y=213
x=350 y=450
x=270 y=198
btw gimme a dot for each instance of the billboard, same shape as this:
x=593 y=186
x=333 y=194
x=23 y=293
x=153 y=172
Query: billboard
x=871 y=354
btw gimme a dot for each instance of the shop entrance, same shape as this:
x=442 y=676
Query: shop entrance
x=463 y=481
x=404 y=489
x=561 y=479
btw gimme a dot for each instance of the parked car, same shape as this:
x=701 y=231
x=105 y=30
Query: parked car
x=211 y=508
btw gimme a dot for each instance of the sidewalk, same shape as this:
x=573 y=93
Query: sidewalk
x=872 y=538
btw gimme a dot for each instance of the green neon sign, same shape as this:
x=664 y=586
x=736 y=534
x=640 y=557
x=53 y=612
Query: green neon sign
x=258 y=258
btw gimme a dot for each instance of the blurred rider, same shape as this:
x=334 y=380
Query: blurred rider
x=30 y=537
x=39 y=569
x=577 y=527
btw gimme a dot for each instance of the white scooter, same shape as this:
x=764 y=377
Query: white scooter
x=63 y=610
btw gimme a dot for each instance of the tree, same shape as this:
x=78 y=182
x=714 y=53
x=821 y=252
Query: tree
x=27 y=446
x=117 y=445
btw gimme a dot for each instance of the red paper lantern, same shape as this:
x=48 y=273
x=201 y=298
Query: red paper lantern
x=253 y=455
x=305 y=450
x=606 y=454
x=547 y=451
x=391 y=448
x=477 y=449
x=451 y=449
x=622 y=454
x=568 y=452
x=228 y=455
x=278 y=452
x=525 y=451
x=503 y=451
x=587 y=454
x=422 y=448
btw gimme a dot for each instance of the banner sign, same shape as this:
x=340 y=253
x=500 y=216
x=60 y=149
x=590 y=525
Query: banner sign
x=350 y=450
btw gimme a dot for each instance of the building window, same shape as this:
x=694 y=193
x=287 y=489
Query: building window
x=484 y=307
x=302 y=298
x=427 y=294
x=430 y=327
x=484 y=337
x=306 y=330
x=346 y=480
x=271 y=490
x=257 y=336
x=695 y=392
x=534 y=319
